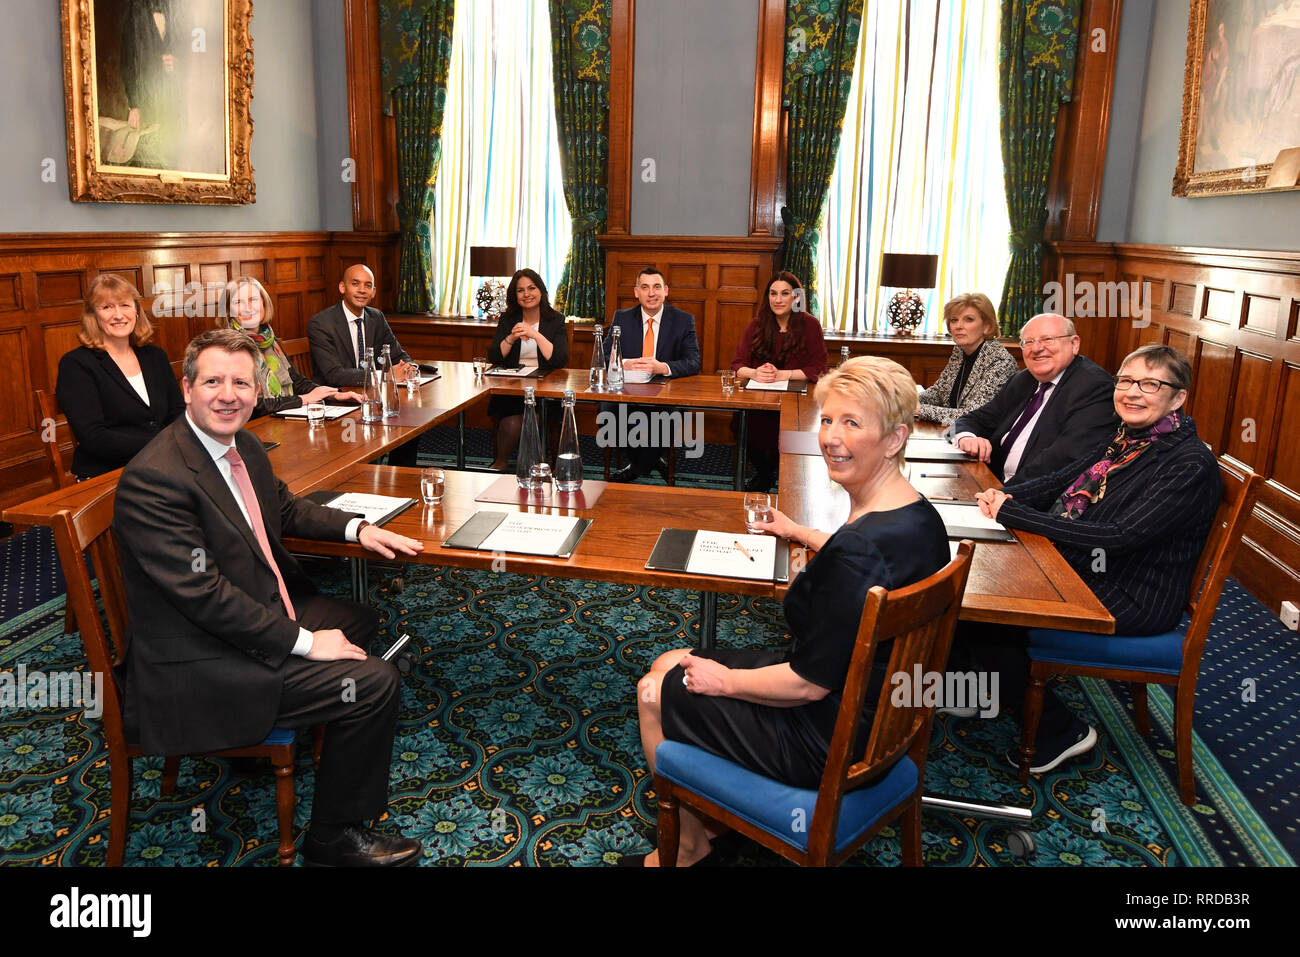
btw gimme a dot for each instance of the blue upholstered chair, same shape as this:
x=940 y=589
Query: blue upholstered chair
x=856 y=798
x=87 y=532
x=1173 y=658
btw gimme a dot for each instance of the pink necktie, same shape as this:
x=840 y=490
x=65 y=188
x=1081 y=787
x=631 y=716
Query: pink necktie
x=255 y=519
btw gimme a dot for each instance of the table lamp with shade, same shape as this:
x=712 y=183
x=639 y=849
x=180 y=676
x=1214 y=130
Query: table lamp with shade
x=491 y=262
x=907 y=272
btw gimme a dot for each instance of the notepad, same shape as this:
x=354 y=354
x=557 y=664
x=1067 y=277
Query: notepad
x=934 y=450
x=376 y=509
x=331 y=412
x=721 y=555
x=755 y=386
x=967 y=521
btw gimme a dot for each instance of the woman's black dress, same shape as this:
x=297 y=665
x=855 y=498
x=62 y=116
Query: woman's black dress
x=823 y=608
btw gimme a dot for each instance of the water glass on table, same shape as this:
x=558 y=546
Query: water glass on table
x=758 y=508
x=480 y=366
x=316 y=415
x=433 y=483
x=728 y=383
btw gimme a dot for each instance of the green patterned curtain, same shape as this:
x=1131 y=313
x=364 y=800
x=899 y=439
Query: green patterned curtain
x=821 y=42
x=580 y=64
x=399 y=43
x=417 y=109
x=1036 y=70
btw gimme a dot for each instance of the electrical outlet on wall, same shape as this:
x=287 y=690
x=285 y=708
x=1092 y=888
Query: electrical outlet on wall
x=1290 y=615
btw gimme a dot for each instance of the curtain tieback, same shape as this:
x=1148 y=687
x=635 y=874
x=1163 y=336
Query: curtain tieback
x=1026 y=239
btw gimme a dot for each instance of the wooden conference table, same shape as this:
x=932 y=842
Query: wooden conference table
x=1020 y=583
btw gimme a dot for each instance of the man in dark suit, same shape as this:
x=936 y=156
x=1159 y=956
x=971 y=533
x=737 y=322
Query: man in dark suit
x=673 y=351
x=228 y=636
x=340 y=335
x=1048 y=414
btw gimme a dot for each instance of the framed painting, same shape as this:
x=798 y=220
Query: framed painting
x=1241 y=96
x=157 y=96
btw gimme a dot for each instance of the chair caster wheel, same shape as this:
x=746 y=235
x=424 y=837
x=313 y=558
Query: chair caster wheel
x=1021 y=843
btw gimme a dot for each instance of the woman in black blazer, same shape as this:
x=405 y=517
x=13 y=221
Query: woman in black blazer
x=529 y=332
x=116 y=391
x=247 y=306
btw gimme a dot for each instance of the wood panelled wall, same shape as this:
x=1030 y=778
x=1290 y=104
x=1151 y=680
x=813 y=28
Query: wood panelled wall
x=44 y=278
x=1236 y=315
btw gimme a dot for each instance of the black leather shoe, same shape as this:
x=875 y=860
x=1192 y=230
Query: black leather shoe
x=355 y=846
x=661 y=466
x=627 y=473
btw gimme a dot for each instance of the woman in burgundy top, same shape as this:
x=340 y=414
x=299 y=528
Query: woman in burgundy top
x=778 y=344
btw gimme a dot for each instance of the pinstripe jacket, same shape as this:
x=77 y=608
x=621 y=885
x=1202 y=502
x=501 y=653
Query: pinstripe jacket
x=993 y=367
x=1137 y=546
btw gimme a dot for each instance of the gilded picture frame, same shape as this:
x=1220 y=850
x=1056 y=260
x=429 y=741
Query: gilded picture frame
x=157 y=100
x=1241 y=96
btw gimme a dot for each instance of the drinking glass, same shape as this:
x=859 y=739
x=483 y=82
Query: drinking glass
x=480 y=366
x=728 y=383
x=316 y=415
x=758 y=508
x=433 y=483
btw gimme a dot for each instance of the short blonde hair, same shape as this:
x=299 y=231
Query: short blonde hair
x=105 y=286
x=981 y=304
x=879 y=385
x=226 y=313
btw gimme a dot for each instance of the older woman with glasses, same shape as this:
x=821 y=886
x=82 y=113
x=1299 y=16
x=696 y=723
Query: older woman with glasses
x=1130 y=516
x=978 y=367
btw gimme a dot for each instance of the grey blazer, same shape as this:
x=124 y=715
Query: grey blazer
x=993 y=367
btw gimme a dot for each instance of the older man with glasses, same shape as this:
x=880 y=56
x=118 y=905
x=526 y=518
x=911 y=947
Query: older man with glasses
x=1049 y=413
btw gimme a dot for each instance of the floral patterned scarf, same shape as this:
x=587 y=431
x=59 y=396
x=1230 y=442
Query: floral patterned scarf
x=273 y=370
x=1123 y=449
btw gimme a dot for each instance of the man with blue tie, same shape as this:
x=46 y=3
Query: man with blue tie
x=658 y=339
x=1048 y=414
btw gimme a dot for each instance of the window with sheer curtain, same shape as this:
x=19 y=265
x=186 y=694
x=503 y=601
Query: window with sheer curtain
x=499 y=179
x=920 y=165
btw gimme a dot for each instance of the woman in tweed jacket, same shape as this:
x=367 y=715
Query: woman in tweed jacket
x=979 y=365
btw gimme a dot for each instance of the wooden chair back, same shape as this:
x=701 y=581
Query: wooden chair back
x=50 y=411
x=87 y=533
x=298 y=352
x=1240 y=490
x=920 y=620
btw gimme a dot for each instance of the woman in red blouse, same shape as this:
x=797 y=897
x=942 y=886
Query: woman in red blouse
x=778 y=344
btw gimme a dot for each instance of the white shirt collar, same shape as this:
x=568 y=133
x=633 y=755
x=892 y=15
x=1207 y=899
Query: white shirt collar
x=656 y=317
x=210 y=445
x=352 y=317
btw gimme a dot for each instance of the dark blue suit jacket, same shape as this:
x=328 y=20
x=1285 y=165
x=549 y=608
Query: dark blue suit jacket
x=675 y=342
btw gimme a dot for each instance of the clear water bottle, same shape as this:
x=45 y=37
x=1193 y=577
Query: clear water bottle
x=388 y=384
x=530 y=442
x=568 y=460
x=615 y=378
x=371 y=408
x=844 y=354
x=597 y=383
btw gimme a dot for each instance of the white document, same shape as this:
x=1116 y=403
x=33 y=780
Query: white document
x=637 y=375
x=934 y=450
x=518 y=372
x=373 y=507
x=733 y=556
x=530 y=534
x=331 y=411
x=966 y=516
x=782 y=386
x=421 y=380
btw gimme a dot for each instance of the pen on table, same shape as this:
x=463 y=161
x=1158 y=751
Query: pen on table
x=743 y=550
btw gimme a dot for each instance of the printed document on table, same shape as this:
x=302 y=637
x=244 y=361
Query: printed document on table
x=376 y=508
x=934 y=450
x=530 y=534
x=967 y=521
x=729 y=555
x=782 y=386
x=331 y=411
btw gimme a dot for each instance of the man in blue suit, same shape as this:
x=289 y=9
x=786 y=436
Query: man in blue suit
x=658 y=339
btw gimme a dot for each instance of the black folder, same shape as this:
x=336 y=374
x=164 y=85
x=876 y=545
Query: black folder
x=673 y=550
x=480 y=525
x=325 y=496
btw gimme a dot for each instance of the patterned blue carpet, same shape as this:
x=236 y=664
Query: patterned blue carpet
x=518 y=745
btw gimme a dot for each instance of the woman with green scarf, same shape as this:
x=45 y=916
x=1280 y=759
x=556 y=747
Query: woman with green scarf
x=248 y=308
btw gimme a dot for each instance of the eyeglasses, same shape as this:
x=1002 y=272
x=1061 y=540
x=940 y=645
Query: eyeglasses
x=1041 y=340
x=1150 y=386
